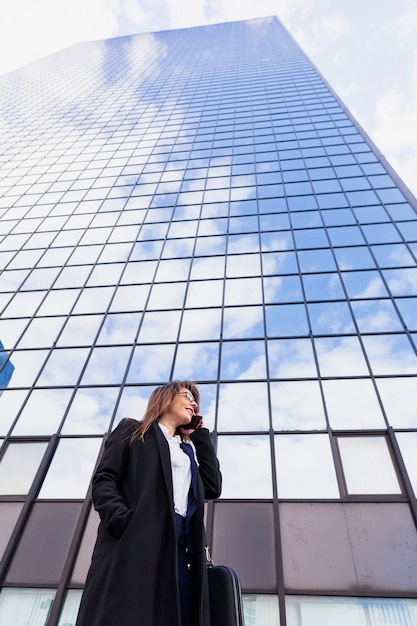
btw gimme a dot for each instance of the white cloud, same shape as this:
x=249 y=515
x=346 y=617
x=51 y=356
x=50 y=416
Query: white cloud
x=30 y=30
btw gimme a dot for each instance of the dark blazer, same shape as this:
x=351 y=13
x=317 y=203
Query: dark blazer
x=132 y=579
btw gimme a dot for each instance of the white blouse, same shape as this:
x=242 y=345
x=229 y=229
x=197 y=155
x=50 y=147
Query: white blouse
x=181 y=472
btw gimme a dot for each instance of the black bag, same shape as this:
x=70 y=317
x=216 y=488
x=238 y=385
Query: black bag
x=226 y=607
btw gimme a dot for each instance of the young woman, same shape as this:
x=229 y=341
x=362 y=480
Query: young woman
x=148 y=566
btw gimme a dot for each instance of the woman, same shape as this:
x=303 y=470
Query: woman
x=148 y=566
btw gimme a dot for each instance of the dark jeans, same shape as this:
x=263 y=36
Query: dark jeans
x=185 y=572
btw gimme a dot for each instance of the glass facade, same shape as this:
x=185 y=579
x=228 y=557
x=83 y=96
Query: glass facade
x=200 y=204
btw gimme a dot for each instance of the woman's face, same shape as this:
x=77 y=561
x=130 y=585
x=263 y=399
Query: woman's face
x=182 y=408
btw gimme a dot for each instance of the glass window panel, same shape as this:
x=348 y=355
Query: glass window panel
x=24 y=304
x=70 y=608
x=80 y=330
x=18 y=466
x=161 y=326
x=173 y=270
x=390 y=354
x=133 y=402
x=119 y=328
x=291 y=358
x=243 y=291
x=243 y=322
x=11 y=280
x=338 y=217
x=242 y=244
x=61 y=482
x=246 y=466
x=398 y=397
x=340 y=356
x=402 y=282
x=178 y=248
x=213 y=226
x=205 y=293
x=9 y=514
x=286 y=319
x=355 y=258
x=41 y=278
x=310 y=238
x=63 y=366
x=10 y=331
x=282 y=289
x=376 y=316
x=59 y=302
x=43 y=548
x=130 y=298
x=150 y=364
x=243 y=265
x=297 y=405
x=93 y=300
x=408 y=310
x=309 y=611
x=83 y=561
x=115 y=252
x=197 y=361
x=210 y=245
x=255 y=563
x=408 y=443
x=306 y=219
x=105 y=274
x=243 y=359
x=260 y=609
x=85 y=254
x=41 y=332
x=330 y=318
x=249 y=413
x=106 y=366
x=367 y=465
x=200 y=324
x=346 y=236
x=393 y=255
x=277 y=241
x=316 y=261
x=42 y=412
x=381 y=233
x=279 y=263
x=367 y=284
x=352 y=404
x=10 y=403
x=90 y=411
x=27 y=364
x=305 y=467
x=72 y=276
x=274 y=221
x=208 y=267
x=167 y=296
x=138 y=272
x=21 y=607
x=323 y=287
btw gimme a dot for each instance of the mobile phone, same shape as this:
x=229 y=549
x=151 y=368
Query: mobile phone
x=195 y=422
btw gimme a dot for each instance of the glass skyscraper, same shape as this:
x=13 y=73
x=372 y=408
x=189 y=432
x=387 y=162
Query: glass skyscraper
x=199 y=204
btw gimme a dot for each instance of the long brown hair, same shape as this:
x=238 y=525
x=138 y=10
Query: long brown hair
x=159 y=402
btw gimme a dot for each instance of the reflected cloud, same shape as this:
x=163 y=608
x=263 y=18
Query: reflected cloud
x=90 y=411
x=196 y=361
x=61 y=481
x=243 y=406
x=246 y=467
x=43 y=412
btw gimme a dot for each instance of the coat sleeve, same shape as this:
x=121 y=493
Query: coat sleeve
x=208 y=464
x=107 y=495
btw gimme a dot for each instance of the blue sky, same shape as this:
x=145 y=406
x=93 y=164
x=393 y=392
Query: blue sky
x=366 y=49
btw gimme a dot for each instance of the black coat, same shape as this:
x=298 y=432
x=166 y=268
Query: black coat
x=132 y=579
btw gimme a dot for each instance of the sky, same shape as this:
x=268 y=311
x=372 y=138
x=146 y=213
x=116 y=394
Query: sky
x=366 y=49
